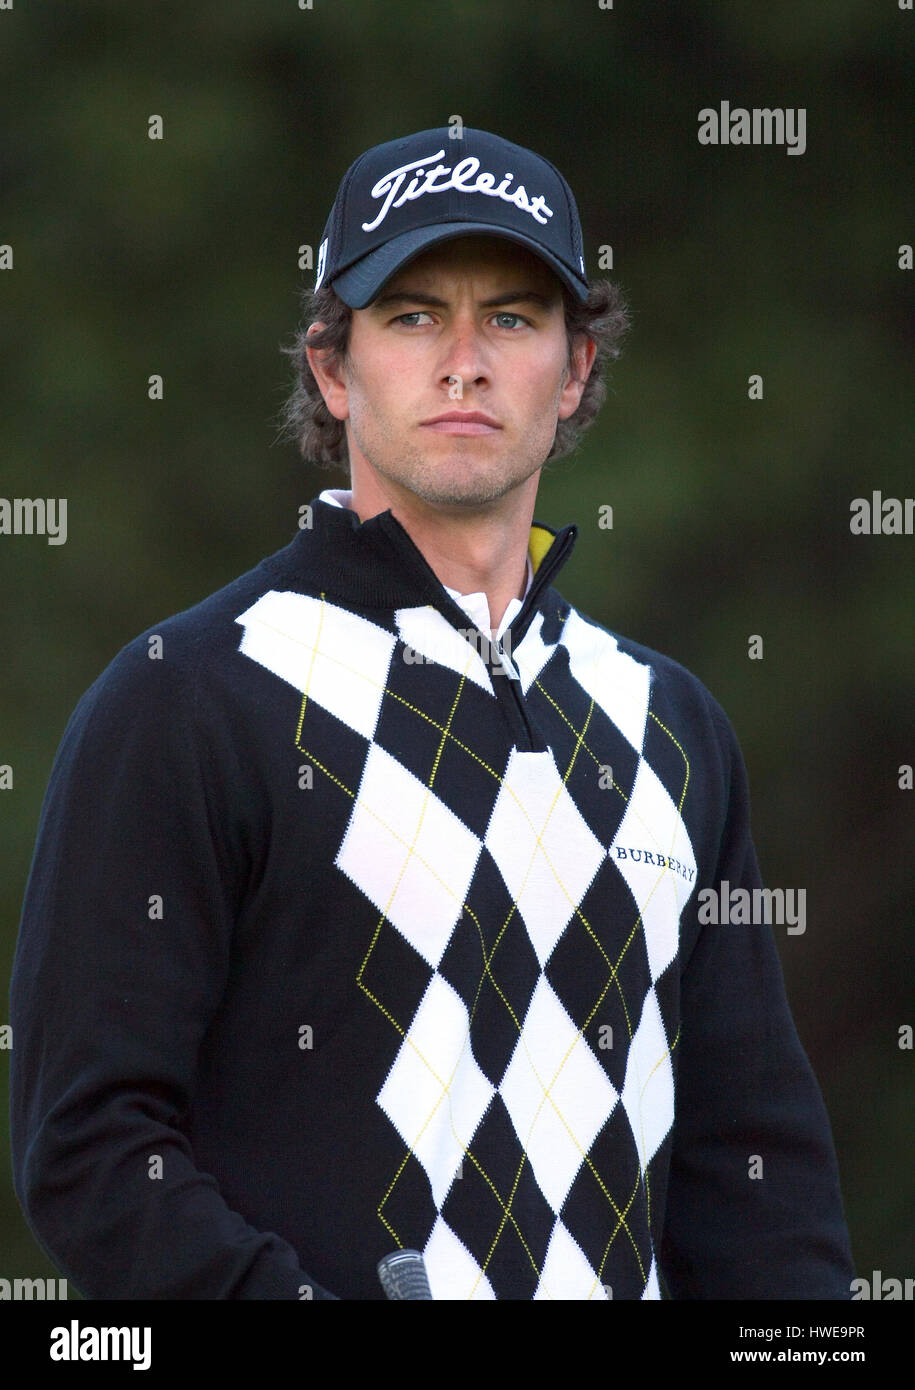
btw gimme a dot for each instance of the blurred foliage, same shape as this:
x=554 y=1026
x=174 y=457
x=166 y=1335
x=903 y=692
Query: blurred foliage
x=730 y=516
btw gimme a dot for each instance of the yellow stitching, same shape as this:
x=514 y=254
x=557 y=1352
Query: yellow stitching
x=425 y=1061
x=546 y=1090
x=600 y=1268
x=648 y=1164
x=445 y=1087
x=498 y=1236
x=615 y=785
x=445 y=730
x=653 y=716
x=314 y=653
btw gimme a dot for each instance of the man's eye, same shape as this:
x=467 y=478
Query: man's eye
x=421 y=313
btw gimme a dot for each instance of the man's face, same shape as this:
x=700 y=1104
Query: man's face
x=437 y=340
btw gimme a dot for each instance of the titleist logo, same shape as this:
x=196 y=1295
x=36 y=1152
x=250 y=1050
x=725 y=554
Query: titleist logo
x=463 y=176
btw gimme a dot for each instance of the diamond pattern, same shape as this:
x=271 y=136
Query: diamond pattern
x=619 y=684
x=427 y=633
x=393 y=851
x=498 y=871
x=653 y=826
x=648 y=1091
x=339 y=659
x=435 y=1094
x=557 y=1094
x=567 y=1269
x=453 y=1272
x=543 y=847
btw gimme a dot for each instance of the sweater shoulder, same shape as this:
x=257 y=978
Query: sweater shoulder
x=671 y=684
x=173 y=654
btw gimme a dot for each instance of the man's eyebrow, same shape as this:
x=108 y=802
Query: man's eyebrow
x=524 y=296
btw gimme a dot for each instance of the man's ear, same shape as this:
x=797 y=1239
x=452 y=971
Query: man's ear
x=327 y=370
x=584 y=350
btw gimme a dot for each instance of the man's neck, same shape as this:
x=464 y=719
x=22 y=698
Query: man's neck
x=484 y=553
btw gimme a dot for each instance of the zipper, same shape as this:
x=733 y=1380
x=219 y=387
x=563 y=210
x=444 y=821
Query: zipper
x=548 y=567
x=522 y=620
x=499 y=679
x=513 y=679
x=451 y=609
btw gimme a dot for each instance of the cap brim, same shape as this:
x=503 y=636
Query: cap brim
x=358 y=285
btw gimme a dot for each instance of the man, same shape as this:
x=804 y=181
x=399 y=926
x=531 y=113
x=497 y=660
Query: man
x=364 y=907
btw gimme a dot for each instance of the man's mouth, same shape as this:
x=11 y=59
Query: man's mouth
x=462 y=422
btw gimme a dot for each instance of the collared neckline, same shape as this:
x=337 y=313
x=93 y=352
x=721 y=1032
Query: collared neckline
x=476 y=604
x=377 y=563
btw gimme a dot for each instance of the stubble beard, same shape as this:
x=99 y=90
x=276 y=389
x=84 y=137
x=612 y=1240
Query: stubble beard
x=455 y=479
x=461 y=476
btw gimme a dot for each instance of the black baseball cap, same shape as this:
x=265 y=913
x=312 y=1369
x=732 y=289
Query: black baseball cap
x=401 y=197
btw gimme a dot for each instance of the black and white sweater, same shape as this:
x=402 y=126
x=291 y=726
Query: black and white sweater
x=345 y=932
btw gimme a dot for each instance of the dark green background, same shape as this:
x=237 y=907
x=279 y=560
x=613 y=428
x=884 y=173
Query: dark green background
x=731 y=517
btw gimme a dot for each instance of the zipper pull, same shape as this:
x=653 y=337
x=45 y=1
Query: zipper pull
x=508 y=667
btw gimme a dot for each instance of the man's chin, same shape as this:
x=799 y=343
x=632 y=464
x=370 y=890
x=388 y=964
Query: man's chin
x=454 y=483
x=455 y=479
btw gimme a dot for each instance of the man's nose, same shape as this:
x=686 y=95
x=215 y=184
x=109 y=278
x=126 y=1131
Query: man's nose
x=464 y=350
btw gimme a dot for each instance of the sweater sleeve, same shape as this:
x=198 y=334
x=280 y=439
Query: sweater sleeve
x=753 y=1208
x=120 y=964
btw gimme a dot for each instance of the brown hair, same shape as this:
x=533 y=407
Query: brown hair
x=321 y=437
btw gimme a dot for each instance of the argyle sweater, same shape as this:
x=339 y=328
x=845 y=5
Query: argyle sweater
x=347 y=932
